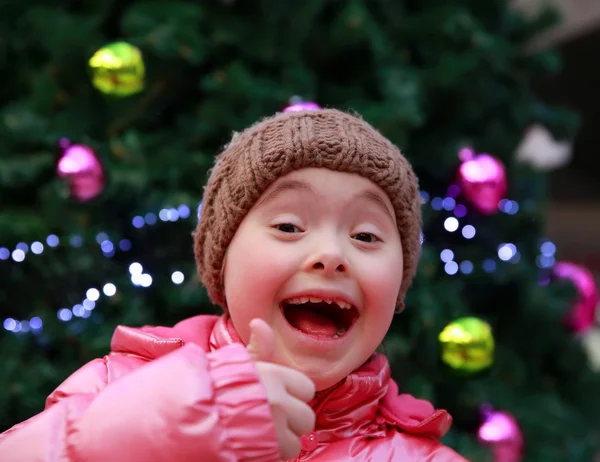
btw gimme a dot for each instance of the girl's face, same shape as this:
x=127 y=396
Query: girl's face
x=319 y=258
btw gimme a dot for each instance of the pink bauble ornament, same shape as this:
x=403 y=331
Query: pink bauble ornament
x=302 y=106
x=80 y=166
x=583 y=312
x=501 y=432
x=482 y=179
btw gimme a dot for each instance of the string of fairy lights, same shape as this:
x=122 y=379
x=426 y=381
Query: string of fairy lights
x=506 y=252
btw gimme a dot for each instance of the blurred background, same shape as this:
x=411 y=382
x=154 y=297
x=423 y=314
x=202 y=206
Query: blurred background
x=111 y=113
x=573 y=220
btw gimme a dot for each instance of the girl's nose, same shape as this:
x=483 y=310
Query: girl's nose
x=329 y=263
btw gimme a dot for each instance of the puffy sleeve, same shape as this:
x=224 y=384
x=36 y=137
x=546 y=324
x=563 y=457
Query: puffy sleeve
x=187 y=405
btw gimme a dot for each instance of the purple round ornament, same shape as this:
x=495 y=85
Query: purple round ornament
x=302 y=106
x=80 y=166
x=583 y=312
x=482 y=180
x=502 y=433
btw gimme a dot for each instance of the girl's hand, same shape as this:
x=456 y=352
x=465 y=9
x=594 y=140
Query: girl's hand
x=287 y=390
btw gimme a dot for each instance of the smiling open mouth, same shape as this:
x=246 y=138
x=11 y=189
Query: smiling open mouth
x=319 y=318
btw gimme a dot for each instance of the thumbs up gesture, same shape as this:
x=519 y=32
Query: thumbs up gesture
x=287 y=390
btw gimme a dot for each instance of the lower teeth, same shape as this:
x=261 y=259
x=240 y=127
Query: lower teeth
x=339 y=333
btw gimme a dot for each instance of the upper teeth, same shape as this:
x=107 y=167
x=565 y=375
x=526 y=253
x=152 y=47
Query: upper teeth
x=300 y=300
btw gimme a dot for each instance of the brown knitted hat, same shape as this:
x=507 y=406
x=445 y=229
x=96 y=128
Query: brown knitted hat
x=274 y=147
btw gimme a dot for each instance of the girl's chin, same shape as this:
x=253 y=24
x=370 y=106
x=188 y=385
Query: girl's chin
x=323 y=372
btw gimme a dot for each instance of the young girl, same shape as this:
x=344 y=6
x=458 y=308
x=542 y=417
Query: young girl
x=309 y=239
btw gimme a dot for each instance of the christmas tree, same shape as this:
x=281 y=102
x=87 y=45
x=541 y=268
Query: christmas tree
x=102 y=171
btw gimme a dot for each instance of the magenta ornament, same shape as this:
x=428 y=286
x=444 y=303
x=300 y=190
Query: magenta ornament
x=82 y=169
x=582 y=315
x=501 y=432
x=302 y=106
x=482 y=180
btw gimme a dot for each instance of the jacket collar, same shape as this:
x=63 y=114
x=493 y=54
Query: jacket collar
x=363 y=403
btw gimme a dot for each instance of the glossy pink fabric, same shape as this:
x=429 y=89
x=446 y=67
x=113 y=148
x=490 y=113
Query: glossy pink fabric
x=191 y=393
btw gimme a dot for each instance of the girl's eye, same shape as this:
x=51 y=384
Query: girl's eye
x=287 y=228
x=366 y=237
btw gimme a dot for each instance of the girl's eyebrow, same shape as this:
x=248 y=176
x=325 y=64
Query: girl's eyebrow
x=374 y=199
x=288 y=185
x=294 y=185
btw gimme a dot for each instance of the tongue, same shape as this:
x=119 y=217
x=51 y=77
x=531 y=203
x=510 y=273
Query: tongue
x=311 y=322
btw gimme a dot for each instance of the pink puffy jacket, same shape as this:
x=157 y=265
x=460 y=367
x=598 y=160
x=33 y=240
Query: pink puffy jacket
x=191 y=393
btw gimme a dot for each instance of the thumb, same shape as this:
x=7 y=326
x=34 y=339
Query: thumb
x=261 y=345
